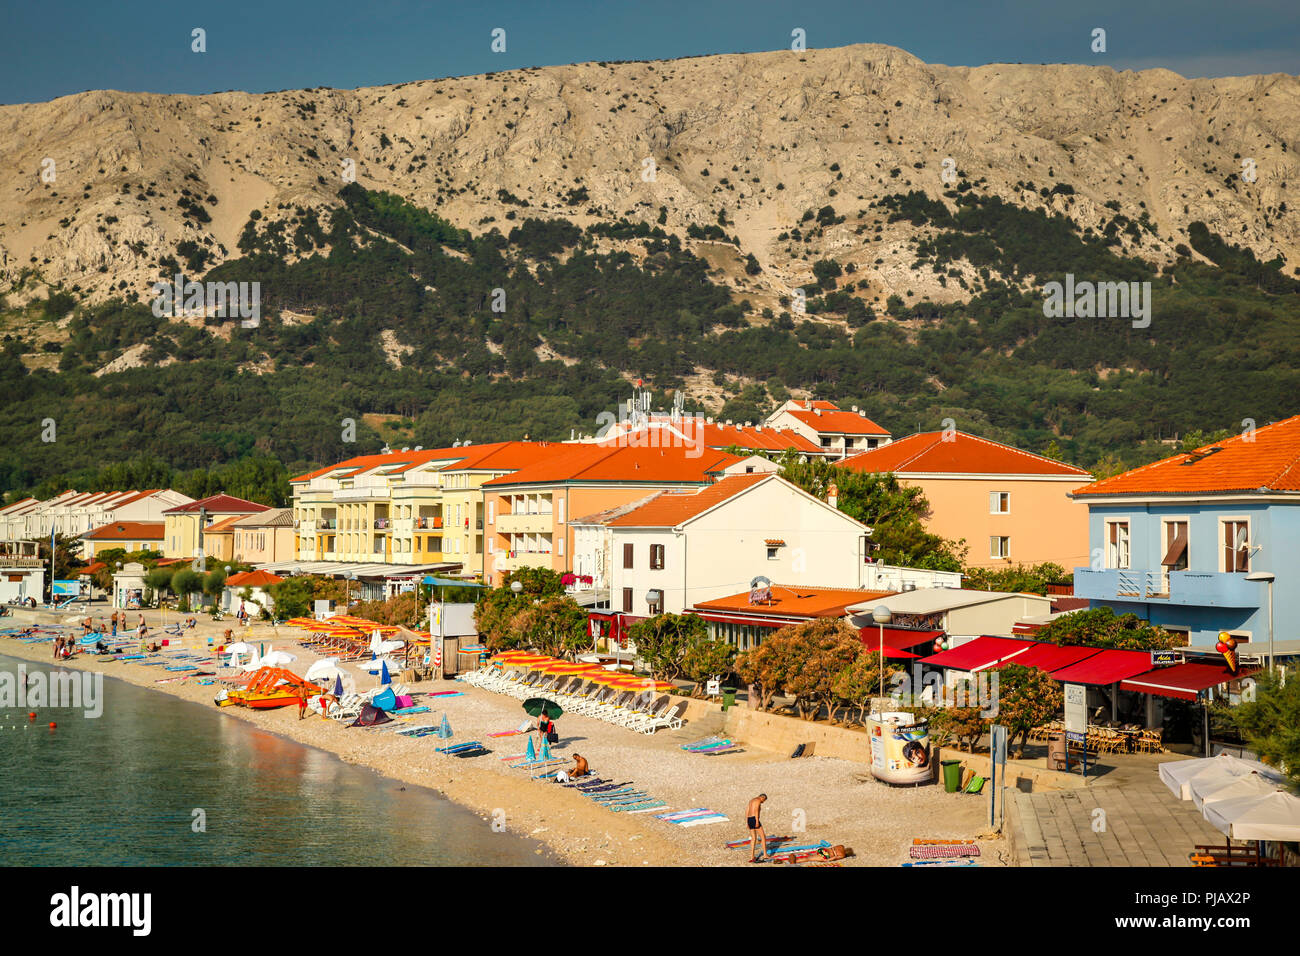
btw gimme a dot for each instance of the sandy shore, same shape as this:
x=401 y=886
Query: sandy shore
x=831 y=799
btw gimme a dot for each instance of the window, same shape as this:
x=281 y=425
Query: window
x=1117 y=544
x=627 y=557
x=826 y=442
x=559 y=511
x=627 y=600
x=771 y=554
x=492 y=511
x=1236 y=545
x=656 y=557
x=999 y=502
x=999 y=546
x=560 y=546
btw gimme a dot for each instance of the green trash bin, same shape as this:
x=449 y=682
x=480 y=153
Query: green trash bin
x=728 y=697
x=951 y=775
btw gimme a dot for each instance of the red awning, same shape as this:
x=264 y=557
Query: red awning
x=980 y=653
x=1105 y=667
x=1184 y=681
x=894 y=654
x=1052 y=657
x=899 y=638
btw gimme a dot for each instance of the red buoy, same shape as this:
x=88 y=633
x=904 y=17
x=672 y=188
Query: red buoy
x=53 y=725
x=32 y=715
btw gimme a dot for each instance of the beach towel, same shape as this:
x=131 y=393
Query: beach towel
x=941 y=852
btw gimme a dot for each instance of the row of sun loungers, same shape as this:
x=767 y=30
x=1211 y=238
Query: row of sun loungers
x=642 y=712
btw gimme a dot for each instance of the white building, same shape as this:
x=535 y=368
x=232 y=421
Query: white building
x=670 y=550
x=22 y=573
x=73 y=513
x=837 y=432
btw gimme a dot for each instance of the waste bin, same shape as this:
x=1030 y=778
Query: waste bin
x=951 y=775
x=728 y=697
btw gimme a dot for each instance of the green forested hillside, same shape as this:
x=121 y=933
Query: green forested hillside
x=474 y=320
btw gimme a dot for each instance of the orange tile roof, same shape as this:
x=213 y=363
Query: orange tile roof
x=396 y=461
x=718 y=435
x=224 y=525
x=505 y=455
x=835 y=420
x=795 y=601
x=601 y=463
x=128 y=531
x=1267 y=461
x=252 y=579
x=669 y=509
x=962 y=454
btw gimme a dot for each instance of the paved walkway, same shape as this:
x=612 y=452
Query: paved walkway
x=1141 y=824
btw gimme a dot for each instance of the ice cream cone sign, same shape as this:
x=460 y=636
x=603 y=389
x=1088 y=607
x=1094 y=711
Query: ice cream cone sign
x=1227 y=646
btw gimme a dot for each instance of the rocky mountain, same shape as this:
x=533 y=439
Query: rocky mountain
x=103 y=188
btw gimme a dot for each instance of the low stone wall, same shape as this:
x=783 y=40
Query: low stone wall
x=780 y=734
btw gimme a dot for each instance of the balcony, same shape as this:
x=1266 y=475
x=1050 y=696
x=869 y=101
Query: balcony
x=364 y=493
x=382 y=524
x=1186 y=588
x=427 y=523
x=525 y=523
x=514 y=560
x=327 y=524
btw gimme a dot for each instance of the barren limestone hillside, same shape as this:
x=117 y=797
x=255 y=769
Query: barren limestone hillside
x=744 y=143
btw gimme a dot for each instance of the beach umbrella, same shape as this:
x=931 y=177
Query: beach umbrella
x=1247 y=785
x=1177 y=775
x=533 y=706
x=384 y=677
x=1275 y=816
x=276 y=658
x=325 y=669
x=338 y=685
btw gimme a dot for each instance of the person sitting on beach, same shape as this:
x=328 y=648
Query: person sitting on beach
x=190 y=622
x=58 y=646
x=579 y=767
x=101 y=647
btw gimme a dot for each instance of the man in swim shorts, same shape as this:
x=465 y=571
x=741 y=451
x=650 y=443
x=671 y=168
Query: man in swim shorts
x=756 y=831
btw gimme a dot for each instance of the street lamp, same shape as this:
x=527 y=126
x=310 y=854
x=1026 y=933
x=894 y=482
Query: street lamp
x=1267 y=576
x=517 y=586
x=882 y=616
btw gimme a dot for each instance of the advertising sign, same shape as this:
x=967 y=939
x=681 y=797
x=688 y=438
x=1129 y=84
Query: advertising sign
x=1160 y=658
x=67 y=588
x=900 y=748
x=1076 y=712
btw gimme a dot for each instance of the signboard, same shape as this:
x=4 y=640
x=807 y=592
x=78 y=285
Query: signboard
x=900 y=748
x=713 y=688
x=1161 y=658
x=1076 y=712
x=321 y=609
x=67 y=588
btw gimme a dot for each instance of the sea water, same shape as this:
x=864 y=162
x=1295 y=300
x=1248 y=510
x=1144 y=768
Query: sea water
x=157 y=781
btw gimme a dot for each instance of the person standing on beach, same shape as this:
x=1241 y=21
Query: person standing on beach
x=756 y=831
x=545 y=727
x=302 y=702
x=113 y=620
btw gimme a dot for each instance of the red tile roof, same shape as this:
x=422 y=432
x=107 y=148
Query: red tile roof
x=835 y=420
x=225 y=524
x=600 y=463
x=219 y=504
x=128 y=531
x=1266 y=461
x=669 y=509
x=961 y=454
x=395 y=461
x=691 y=431
x=802 y=602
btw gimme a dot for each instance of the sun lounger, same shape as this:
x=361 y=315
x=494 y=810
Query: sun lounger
x=672 y=720
x=942 y=852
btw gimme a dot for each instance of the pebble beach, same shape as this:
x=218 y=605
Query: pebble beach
x=813 y=798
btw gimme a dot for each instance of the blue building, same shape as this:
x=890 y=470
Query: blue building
x=1185 y=542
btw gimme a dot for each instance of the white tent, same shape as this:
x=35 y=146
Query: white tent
x=276 y=658
x=1247 y=785
x=326 y=668
x=1275 y=816
x=1177 y=775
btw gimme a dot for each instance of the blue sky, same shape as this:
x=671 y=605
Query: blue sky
x=53 y=48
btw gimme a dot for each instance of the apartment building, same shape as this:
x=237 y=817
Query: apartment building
x=74 y=513
x=529 y=513
x=412 y=507
x=186 y=525
x=829 y=428
x=1191 y=542
x=128 y=535
x=1009 y=506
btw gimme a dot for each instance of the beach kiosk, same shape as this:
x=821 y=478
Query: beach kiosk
x=128 y=587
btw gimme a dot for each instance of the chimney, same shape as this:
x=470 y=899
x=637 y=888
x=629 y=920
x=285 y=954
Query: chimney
x=816 y=410
x=833 y=496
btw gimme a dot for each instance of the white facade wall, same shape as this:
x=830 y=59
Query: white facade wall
x=720 y=552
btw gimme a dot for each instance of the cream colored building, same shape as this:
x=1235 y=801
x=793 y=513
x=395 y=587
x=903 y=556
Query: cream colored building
x=183 y=524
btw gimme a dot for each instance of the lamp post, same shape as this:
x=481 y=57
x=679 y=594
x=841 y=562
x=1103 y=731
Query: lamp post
x=882 y=616
x=1268 y=577
x=517 y=586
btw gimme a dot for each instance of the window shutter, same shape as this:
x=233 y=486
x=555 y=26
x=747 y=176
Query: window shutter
x=627 y=558
x=627 y=600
